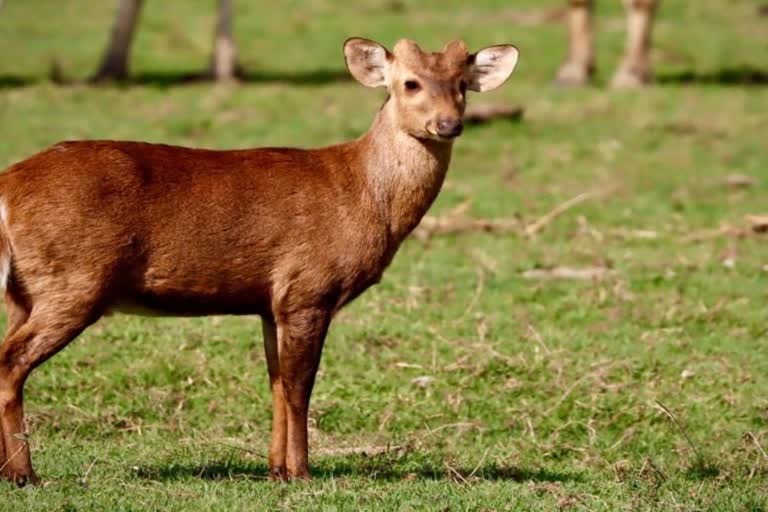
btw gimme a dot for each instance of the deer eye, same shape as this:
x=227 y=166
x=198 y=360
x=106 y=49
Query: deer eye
x=412 y=85
x=463 y=87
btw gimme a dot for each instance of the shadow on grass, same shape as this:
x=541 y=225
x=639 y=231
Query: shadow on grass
x=13 y=81
x=306 y=77
x=703 y=470
x=357 y=467
x=163 y=79
x=737 y=76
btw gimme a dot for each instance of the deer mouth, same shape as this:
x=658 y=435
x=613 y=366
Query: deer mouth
x=432 y=134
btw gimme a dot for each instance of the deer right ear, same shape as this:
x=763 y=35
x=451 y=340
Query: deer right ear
x=367 y=61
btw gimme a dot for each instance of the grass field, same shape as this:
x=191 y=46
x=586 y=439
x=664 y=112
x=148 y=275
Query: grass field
x=542 y=394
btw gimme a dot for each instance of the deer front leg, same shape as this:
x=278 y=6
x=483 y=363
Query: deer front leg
x=635 y=67
x=300 y=341
x=579 y=65
x=279 y=427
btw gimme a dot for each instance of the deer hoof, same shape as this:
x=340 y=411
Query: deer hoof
x=20 y=479
x=630 y=79
x=573 y=74
x=278 y=474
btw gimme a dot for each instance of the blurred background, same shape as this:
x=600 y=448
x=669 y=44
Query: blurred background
x=284 y=48
x=599 y=254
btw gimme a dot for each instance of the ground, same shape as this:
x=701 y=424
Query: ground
x=471 y=377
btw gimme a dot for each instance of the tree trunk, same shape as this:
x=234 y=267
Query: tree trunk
x=114 y=63
x=224 y=60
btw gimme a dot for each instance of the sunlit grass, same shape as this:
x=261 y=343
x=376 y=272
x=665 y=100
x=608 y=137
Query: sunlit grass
x=542 y=393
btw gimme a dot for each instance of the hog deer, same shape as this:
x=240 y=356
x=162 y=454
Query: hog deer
x=292 y=235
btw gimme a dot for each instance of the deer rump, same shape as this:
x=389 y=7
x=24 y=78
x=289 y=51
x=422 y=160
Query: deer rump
x=157 y=229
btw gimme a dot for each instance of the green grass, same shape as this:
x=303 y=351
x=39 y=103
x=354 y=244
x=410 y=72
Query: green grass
x=545 y=392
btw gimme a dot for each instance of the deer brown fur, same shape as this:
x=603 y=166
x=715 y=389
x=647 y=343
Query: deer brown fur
x=291 y=235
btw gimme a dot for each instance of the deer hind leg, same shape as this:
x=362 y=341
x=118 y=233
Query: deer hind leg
x=17 y=315
x=277 y=446
x=635 y=67
x=579 y=65
x=46 y=331
x=300 y=341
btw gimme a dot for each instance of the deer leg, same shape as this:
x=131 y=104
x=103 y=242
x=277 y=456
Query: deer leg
x=579 y=65
x=301 y=335
x=31 y=344
x=635 y=67
x=17 y=314
x=279 y=427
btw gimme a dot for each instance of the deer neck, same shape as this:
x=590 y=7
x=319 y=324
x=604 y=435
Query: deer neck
x=403 y=173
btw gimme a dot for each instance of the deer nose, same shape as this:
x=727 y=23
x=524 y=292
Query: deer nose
x=449 y=128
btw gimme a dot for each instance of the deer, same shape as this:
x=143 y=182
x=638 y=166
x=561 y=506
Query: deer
x=634 y=71
x=292 y=235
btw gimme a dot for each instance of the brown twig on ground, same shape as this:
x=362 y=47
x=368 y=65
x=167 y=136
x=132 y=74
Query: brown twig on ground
x=753 y=438
x=458 y=478
x=681 y=428
x=635 y=234
x=475 y=297
x=479 y=464
x=445 y=226
x=365 y=451
x=725 y=230
x=84 y=478
x=579 y=274
x=484 y=112
x=739 y=181
x=758 y=224
x=457 y=221
x=750 y=436
x=534 y=227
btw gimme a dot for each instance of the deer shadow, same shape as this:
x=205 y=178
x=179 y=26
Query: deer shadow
x=298 y=78
x=744 y=76
x=165 y=79
x=358 y=466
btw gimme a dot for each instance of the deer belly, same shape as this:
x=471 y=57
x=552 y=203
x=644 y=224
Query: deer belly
x=186 y=291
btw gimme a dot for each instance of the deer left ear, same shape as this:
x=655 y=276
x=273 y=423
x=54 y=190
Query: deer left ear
x=490 y=67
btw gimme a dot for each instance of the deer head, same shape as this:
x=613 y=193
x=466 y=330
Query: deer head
x=429 y=88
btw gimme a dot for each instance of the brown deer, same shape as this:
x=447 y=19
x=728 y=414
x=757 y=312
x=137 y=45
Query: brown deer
x=292 y=235
x=635 y=67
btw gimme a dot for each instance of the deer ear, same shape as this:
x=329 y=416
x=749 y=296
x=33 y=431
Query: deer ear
x=367 y=61
x=490 y=67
